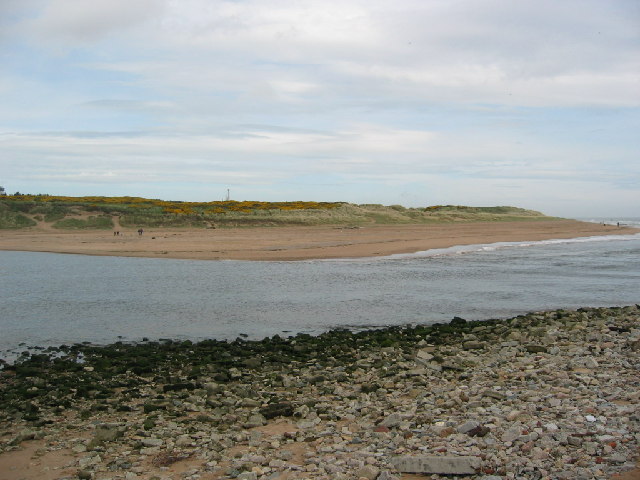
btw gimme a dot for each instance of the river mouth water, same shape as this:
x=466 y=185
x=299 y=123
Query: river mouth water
x=53 y=299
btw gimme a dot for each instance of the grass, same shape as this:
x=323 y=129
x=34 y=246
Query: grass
x=12 y=220
x=90 y=223
x=135 y=212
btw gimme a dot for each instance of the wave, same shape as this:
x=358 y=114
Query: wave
x=489 y=247
x=622 y=221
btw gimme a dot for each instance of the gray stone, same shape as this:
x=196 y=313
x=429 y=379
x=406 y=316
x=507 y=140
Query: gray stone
x=106 y=433
x=248 y=476
x=392 y=420
x=575 y=441
x=617 y=458
x=463 y=465
x=386 y=475
x=152 y=442
x=473 y=345
x=255 y=420
x=423 y=356
x=369 y=472
x=512 y=434
x=468 y=426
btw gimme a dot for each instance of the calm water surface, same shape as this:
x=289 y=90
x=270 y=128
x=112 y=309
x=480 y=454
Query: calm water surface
x=52 y=299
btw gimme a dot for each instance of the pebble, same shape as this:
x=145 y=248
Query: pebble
x=540 y=396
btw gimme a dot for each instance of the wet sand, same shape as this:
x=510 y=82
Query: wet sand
x=295 y=243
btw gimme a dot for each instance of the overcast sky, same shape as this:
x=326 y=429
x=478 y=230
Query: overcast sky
x=532 y=103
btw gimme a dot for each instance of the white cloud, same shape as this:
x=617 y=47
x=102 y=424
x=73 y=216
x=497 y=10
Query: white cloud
x=72 y=22
x=497 y=96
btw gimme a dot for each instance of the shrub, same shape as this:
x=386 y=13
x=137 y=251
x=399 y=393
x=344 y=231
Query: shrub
x=101 y=223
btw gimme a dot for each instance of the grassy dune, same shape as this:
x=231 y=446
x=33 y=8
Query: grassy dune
x=21 y=211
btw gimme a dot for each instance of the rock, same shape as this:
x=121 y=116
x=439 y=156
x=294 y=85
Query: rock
x=391 y=421
x=386 y=475
x=575 y=441
x=473 y=345
x=255 y=420
x=247 y=476
x=479 y=431
x=282 y=409
x=184 y=441
x=251 y=403
x=463 y=465
x=468 y=426
x=512 y=434
x=105 y=433
x=424 y=356
x=89 y=460
x=252 y=363
x=369 y=472
x=152 y=442
x=536 y=348
x=452 y=364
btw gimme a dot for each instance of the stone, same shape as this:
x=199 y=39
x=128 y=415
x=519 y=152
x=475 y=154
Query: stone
x=369 y=472
x=152 y=442
x=255 y=420
x=511 y=435
x=392 y=420
x=468 y=426
x=536 y=348
x=105 y=433
x=479 y=431
x=89 y=460
x=282 y=409
x=386 y=475
x=445 y=465
x=473 y=345
x=424 y=356
x=247 y=476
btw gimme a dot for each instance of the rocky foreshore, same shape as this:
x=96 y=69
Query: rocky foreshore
x=548 y=395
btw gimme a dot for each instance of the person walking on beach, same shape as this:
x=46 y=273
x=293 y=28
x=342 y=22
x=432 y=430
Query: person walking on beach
x=140 y=231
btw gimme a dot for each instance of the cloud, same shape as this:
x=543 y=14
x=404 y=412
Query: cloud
x=77 y=22
x=497 y=96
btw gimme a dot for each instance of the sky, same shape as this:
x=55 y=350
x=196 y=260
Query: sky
x=529 y=103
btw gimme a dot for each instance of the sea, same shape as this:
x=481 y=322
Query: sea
x=51 y=299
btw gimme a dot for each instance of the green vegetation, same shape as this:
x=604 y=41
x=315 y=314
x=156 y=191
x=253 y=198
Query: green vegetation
x=10 y=219
x=18 y=211
x=99 y=223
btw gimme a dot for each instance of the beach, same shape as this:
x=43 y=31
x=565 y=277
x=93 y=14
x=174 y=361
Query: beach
x=295 y=243
x=542 y=396
x=547 y=395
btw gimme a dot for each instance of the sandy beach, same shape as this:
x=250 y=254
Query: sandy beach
x=294 y=243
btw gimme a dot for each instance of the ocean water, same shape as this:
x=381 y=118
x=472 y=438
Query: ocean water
x=53 y=299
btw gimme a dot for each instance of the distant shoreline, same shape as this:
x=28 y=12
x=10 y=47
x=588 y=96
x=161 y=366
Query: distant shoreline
x=296 y=243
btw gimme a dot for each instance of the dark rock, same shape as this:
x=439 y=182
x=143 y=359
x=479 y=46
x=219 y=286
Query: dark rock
x=536 y=348
x=457 y=321
x=281 y=409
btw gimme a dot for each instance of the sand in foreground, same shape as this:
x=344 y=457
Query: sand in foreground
x=295 y=243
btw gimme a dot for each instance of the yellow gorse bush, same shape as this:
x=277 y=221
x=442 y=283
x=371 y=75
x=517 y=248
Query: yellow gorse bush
x=175 y=207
